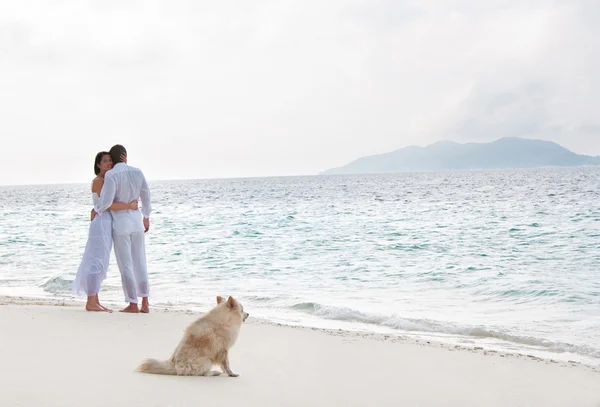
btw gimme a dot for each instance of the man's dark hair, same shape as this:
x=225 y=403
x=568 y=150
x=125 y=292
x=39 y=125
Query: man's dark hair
x=115 y=153
x=97 y=161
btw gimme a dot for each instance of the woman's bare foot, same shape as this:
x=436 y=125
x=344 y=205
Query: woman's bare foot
x=102 y=306
x=131 y=308
x=95 y=307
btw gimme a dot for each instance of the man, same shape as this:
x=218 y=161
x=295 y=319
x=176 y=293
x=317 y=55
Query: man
x=124 y=184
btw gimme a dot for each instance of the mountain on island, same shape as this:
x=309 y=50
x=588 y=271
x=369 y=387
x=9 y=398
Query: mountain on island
x=508 y=152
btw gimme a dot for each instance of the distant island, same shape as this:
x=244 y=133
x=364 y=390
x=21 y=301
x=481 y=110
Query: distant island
x=508 y=152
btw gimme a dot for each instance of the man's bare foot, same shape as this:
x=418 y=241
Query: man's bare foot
x=145 y=306
x=131 y=308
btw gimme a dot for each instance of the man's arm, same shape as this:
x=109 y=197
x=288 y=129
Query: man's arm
x=146 y=207
x=108 y=194
x=145 y=198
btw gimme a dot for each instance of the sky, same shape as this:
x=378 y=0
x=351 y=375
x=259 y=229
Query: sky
x=236 y=88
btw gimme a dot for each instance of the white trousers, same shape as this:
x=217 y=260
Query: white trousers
x=130 y=252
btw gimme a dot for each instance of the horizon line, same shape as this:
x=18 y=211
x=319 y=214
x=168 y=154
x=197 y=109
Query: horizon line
x=172 y=179
x=322 y=174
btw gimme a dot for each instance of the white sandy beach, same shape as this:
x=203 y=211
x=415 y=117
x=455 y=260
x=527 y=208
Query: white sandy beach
x=64 y=356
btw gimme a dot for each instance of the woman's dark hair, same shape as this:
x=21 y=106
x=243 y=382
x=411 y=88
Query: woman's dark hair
x=98 y=160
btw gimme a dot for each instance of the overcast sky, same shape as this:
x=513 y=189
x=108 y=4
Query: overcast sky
x=202 y=89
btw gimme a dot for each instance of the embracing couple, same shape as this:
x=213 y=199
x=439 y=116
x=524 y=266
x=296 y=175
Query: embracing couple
x=116 y=219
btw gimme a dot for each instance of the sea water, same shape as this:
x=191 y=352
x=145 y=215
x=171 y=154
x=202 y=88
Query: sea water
x=506 y=259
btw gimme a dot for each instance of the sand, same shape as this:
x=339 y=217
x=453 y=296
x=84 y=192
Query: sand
x=65 y=356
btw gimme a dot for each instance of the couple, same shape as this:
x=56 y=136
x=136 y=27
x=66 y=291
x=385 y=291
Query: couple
x=116 y=219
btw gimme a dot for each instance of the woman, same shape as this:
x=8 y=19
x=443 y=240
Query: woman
x=94 y=265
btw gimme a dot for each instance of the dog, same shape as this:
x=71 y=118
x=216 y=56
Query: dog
x=205 y=342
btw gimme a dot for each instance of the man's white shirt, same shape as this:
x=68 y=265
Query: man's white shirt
x=124 y=184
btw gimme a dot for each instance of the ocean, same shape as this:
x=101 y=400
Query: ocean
x=507 y=260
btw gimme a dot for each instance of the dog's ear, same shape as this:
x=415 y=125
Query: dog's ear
x=231 y=302
x=219 y=299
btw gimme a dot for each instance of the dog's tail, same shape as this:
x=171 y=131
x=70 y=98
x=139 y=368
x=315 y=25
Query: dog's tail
x=157 y=367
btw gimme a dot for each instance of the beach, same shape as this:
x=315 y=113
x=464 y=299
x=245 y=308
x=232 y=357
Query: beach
x=505 y=259
x=403 y=196
x=56 y=354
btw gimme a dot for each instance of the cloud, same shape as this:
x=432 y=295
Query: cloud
x=489 y=113
x=233 y=88
x=546 y=92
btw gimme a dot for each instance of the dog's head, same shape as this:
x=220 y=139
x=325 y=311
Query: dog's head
x=233 y=305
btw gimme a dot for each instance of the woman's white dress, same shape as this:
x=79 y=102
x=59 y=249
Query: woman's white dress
x=94 y=264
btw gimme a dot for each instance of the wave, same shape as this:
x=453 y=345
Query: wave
x=60 y=285
x=56 y=285
x=261 y=298
x=436 y=327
